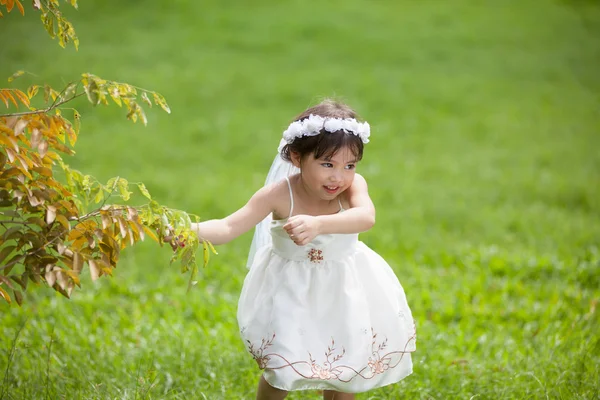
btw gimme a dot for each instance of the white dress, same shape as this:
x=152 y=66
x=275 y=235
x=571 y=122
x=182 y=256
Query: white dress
x=327 y=315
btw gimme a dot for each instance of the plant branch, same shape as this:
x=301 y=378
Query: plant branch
x=9 y=221
x=10 y=264
x=43 y=110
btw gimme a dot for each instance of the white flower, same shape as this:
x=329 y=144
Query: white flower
x=313 y=125
x=333 y=125
x=364 y=131
x=293 y=131
x=351 y=126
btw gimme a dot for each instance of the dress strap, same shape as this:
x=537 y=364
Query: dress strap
x=340 y=203
x=291 y=196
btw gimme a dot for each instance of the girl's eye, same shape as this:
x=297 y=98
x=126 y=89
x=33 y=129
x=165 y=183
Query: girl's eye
x=350 y=166
x=327 y=165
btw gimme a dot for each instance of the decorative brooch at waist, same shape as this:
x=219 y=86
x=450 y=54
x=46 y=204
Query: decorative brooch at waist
x=315 y=255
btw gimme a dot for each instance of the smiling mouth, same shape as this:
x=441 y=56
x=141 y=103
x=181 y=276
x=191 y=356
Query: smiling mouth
x=331 y=189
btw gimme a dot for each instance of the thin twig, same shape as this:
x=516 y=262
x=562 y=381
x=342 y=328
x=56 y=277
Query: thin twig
x=8 y=221
x=10 y=264
x=42 y=111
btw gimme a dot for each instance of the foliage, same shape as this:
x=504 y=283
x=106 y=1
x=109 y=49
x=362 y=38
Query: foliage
x=50 y=229
x=56 y=25
x=482 y=169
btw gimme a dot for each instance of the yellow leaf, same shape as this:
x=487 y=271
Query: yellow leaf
x=20 y=7
x=73 y=276
x=160 y=100
x=212 y=248
x=71 y=134
x=16 y=75
x=22 y=96
x=43 y=171
x=32 y=91
x=4 y=295
x=9 y=96
x=10 y=141
x=9 y=5
x=140 y=230
x=151 y=234
x=77 y=118
x=206 y=253
x=63 y=221
x=4 y=99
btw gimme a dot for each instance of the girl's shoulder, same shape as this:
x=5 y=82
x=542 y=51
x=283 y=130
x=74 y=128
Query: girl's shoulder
x=278 y=194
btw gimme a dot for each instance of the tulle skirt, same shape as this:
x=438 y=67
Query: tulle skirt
x=340 y=324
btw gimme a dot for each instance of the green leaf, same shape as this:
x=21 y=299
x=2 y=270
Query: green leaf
x=18 y=297
x=99 y=196
x=144 y=191
x=92 y=90
x=11 y=233
x=70 y=90
x=123 y=189
x=5 y=252
x=155 y=207
x=111 y=184
x=192 y=282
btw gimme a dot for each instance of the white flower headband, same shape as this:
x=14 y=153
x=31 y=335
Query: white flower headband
x=313 y=125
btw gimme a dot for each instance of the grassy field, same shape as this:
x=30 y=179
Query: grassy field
x=484 y=166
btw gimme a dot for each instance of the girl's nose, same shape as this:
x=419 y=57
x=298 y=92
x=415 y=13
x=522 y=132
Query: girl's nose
x=336 y=176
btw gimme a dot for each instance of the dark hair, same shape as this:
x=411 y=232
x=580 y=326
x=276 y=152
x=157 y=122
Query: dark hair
x=325 y=144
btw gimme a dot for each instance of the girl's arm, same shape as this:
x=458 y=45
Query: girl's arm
x=359 y=218
x=220 y=231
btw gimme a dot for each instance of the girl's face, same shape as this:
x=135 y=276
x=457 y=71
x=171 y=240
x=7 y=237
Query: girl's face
x=325 y=178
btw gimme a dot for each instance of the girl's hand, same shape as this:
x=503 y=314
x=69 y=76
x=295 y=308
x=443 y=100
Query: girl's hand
x=302 y=228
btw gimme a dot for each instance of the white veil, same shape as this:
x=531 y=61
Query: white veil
x=278 y=171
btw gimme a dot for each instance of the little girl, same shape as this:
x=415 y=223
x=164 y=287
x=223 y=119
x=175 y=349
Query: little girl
x=319 y=309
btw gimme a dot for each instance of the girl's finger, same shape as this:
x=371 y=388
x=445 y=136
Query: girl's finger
x=288 y=226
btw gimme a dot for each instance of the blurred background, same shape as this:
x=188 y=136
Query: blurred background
x=484 y=166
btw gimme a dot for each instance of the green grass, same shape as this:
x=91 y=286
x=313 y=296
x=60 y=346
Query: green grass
x=484 y=166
